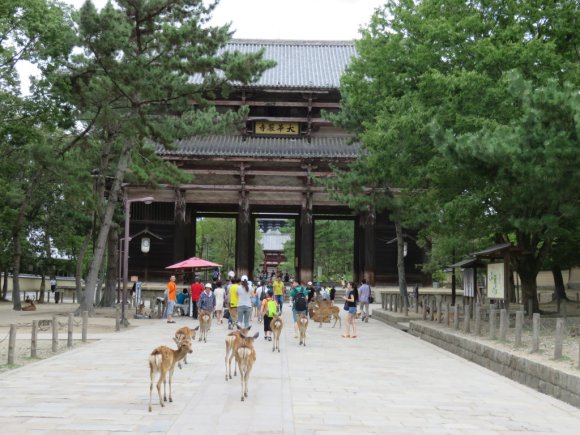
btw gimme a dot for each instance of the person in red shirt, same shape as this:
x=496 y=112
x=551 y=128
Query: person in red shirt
x=196 y=290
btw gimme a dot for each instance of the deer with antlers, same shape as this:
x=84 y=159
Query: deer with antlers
x=181 y=333
x=245 y=358
x=232 y=342
x=162 y=360
x=302 y=327
x=276 y=326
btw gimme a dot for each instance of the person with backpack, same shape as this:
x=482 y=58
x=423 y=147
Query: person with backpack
x=269 y=310
x=298 y=298
x=260 y=295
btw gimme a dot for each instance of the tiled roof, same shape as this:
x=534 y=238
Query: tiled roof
x=235 y=146
x=299 y=64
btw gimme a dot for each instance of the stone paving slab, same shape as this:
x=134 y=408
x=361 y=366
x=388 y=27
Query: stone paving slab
x=385 y=381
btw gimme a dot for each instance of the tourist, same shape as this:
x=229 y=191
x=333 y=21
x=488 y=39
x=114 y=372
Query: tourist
x=351 y=299
x=364 y=293
x=233 y=296
x=244 y=294
x=298 y=298
x=259 y=296
x=207 y=300
x=171 y=299
x=278 y=287
x=332 y=295
x=196 y=290
x=220 y=296
x=268 y=309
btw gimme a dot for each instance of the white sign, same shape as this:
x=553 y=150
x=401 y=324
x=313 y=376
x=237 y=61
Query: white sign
x=495 y=280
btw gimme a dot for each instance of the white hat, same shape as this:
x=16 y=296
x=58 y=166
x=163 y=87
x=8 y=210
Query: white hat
x=309 y=282
x=244 y=277
x=208 y=285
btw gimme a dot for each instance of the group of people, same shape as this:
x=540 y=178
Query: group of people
x=238 y=301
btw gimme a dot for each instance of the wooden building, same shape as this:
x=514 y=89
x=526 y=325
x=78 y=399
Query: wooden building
x=268 y=170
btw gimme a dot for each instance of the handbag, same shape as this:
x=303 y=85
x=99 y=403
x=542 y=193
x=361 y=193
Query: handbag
x=371 y=297
x=345 y=308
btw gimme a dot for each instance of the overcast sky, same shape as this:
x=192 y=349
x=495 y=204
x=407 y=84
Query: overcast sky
x=289 y=19
x=280 y=19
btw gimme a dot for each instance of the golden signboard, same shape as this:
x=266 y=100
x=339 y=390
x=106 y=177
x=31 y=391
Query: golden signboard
x=276 y=128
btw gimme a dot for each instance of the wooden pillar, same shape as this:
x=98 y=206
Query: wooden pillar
x=243 y=224
x=306 y=255
x=180 y=227
x=368 y=222
x=506 y=279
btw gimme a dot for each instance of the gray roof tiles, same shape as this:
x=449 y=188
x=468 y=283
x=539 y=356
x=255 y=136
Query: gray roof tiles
x=299 y=64
x=264 y=147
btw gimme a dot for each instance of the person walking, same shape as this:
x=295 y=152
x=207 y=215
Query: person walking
x=233 y=296
x=196 y=291
x=268 y=309
x=278 y=287
x=298 y=298
x=351 y=299
x=364 y=293
x=207 y=300
x=220 y=296
x=244 y=302
x=171 y=298
x=332 y=295
x=259 y=295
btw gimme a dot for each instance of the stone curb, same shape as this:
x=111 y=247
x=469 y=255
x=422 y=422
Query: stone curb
x=545 y=379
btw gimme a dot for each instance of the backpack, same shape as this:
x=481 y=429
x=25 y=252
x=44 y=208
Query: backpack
x=263 y=292
x=299 y=301
x=272 y=308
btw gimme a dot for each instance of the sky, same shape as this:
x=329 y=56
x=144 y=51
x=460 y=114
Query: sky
x=278 y=19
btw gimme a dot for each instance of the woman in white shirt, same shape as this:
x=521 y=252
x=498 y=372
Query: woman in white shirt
x=244 y=292
x=220 y=295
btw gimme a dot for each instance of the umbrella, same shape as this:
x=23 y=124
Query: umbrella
x=193 y=263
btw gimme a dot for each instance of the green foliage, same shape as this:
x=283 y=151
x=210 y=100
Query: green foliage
x=333 y=249
x=215 y=240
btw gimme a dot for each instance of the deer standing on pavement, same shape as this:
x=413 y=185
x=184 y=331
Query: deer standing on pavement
x=245 y=357
x=276 y=325
x=181 y=333
x=162 y=360
x=204 y=324
x=232 y=341
x=302 y=327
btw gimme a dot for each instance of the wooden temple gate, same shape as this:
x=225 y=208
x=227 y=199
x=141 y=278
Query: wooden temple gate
x=268 y=167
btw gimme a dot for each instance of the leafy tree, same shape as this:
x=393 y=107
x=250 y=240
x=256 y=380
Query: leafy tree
x=432 y=99
x=333 y=248
x=141 y=66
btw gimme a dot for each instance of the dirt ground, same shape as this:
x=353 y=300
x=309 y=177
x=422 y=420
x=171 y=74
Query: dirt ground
x=103 y=322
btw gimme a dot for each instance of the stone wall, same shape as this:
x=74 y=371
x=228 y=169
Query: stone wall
x=548 y=380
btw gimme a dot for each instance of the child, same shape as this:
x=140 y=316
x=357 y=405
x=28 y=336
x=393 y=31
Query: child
x=269 y=310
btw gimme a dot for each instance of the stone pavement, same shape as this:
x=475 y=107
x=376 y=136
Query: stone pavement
x=385 y=381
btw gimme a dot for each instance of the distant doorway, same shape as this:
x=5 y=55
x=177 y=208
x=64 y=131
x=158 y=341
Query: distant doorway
x=333 y=250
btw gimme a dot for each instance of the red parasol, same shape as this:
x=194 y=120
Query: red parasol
x=193 y=263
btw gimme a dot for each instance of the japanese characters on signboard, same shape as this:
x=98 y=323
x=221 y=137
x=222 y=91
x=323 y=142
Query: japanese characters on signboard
x=276 y=128
x=495 y=287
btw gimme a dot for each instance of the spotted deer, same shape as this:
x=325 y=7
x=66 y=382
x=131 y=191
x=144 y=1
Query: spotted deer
x=162 y=360
x=184 y=332
x=204 y=324
x=245 y=358
x=302 y=327
x=276 y=325
x=232 y=341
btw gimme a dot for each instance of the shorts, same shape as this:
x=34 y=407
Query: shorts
x=296 y=313
x=352 y=311
x=170 y=307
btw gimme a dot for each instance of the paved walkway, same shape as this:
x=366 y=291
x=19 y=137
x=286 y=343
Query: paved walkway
x=385 y=381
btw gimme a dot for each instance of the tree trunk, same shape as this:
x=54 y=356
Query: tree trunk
x=42 y=288
x=560 y=292
x=108 y=299
x=79 y=265
x=16 y=305
x=529 y=288
x=88 y=301
x=4 y=285
x=401 y=260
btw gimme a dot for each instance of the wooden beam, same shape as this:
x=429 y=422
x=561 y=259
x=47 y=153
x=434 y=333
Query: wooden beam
x=288 y=119
x=325 y=105
x=250 y=188
x=257 y=172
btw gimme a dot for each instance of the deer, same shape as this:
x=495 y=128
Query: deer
x=232 y=342
x=162 y=360
x=184 y=332
x=302 y=327
x=204 y=324
x=245 y=358
x=323 y=310
x=276 y=325
x=30 y=306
